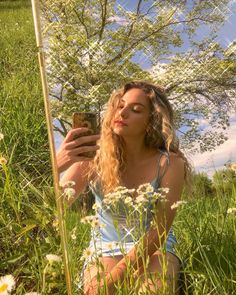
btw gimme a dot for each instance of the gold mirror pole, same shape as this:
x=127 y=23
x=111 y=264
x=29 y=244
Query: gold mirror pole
x=41 y=57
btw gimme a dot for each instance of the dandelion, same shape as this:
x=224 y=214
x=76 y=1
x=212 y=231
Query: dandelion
x=87 y=253
x=53 y=258
x=1 y=136
x=3 y=161
x=7 y=284
x=177 y=204
x=231 y=210
x=69 y=193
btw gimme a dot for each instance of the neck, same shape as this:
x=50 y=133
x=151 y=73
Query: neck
x=136 y=151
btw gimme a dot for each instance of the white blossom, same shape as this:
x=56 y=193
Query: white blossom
x=177 y=204
x=53 y=258
x=7 y=284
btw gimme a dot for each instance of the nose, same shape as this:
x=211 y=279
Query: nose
x=123 y=112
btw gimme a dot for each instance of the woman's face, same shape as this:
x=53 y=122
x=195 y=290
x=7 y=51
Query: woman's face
x=132 y=114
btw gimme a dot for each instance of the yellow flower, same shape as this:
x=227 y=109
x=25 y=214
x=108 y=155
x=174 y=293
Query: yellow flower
x=7 y=284
x=233 y=167
x=3 y=161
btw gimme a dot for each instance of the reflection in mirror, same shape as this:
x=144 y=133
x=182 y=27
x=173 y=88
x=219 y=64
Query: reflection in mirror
x=94 y=50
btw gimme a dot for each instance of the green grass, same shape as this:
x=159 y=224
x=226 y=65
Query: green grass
x=206 y=234
x=27 y=200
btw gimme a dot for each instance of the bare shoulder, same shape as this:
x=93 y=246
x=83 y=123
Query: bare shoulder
x=173 y=167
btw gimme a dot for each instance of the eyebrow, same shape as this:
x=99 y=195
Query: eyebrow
x=135 y=103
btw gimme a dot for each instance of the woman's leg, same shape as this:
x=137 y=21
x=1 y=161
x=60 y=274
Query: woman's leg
x=162 y=274
x=106 y=263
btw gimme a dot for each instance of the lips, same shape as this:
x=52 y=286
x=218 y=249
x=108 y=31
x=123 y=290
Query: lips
x=120 y=122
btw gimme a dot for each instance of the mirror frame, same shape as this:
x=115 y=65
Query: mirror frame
x=42 y=66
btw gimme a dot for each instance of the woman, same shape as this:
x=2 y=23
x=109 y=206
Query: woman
x=137 y=145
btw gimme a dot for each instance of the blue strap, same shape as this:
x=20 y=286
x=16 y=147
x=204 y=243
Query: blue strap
x=159 y=175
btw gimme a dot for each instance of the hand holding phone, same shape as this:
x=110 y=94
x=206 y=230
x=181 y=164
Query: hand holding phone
x=86 y=120
x=80 y=142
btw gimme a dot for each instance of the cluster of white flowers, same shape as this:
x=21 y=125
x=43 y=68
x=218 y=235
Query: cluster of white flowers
x=7 y=284
x=93 y=221
x=135 y=198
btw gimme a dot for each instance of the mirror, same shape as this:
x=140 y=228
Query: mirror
x=94 y=47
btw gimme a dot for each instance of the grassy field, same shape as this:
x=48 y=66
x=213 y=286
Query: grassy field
x=206 y=233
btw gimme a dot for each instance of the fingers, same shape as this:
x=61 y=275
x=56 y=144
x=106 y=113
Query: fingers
x=84 y=149
x=82 y=140
x=75 y=132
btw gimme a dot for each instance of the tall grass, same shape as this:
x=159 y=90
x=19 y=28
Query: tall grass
x=27 y=201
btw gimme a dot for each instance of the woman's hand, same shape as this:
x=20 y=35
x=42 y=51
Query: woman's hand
x=70 y=150
x=94 y=286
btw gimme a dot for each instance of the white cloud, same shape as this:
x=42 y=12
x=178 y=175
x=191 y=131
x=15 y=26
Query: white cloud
x=211 y=161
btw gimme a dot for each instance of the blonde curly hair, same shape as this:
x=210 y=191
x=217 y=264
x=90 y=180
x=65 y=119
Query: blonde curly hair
x=109 y=161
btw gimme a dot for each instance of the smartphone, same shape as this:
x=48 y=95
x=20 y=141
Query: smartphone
x=88 y=120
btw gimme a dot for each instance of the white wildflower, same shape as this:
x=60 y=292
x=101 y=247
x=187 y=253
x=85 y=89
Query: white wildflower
x=231 y=210
x=111 y=245
x=96 y=206
x=7 y=284
x=3 y=161
x=68 y=183
x=69 y=193
x=177 y=204
x=106 y=201
x=86 y=253
x=145 y=188
x=73 y=236
x=53 y=258
x=1 y=136
x=128 y=200
x=141 y=199
x=164 y=190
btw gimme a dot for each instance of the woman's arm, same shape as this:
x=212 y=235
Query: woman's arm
x=71 y=160
x=164 y=216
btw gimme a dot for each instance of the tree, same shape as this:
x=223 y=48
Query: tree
x=202 y=185
x=93 y=48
